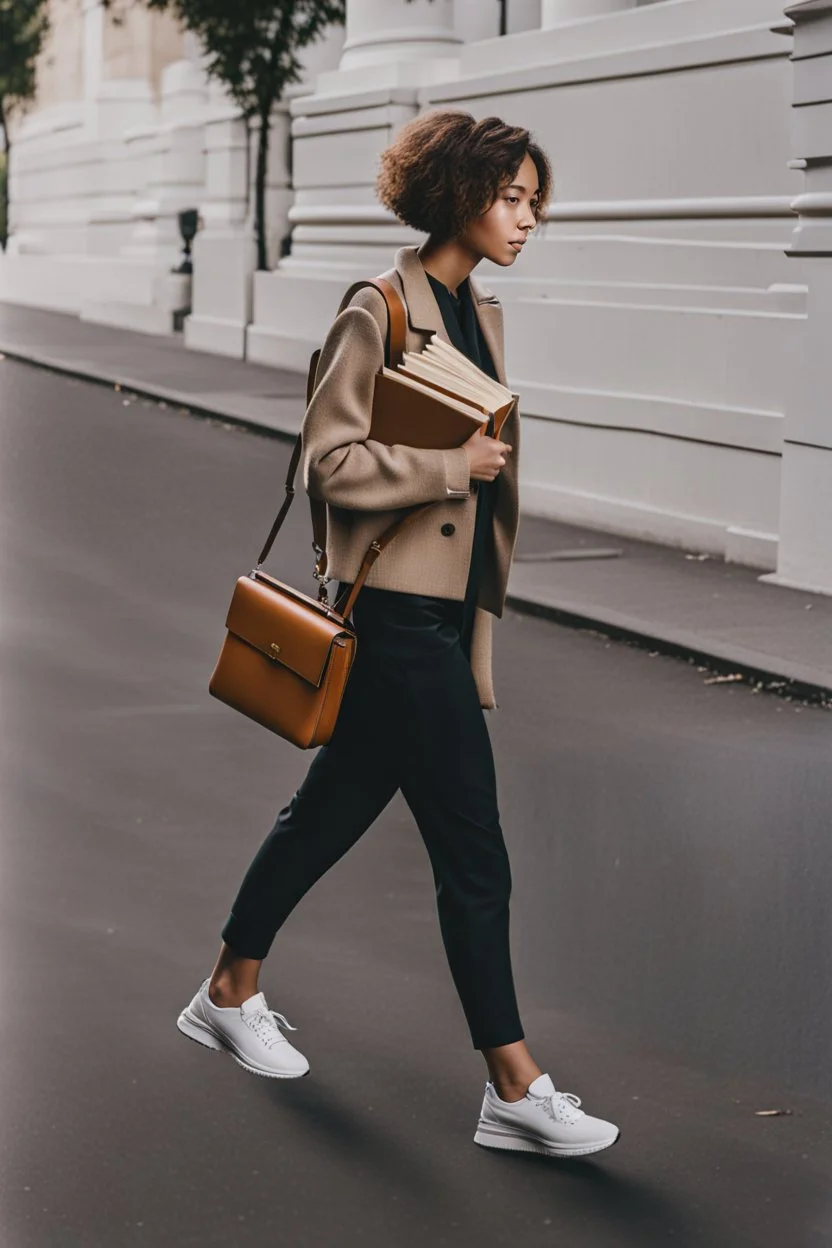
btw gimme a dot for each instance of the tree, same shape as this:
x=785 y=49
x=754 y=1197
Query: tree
x=251 y=47
x=23 y=28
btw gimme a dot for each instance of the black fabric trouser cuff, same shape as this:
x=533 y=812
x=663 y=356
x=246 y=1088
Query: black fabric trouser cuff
x=244 y=945
x=496 y=1039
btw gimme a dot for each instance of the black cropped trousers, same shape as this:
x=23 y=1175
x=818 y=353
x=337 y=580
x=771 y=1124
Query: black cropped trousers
x=410 y=720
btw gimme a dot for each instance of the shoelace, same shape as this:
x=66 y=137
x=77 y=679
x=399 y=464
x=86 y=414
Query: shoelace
x=561 y=1107
x=266 y=1025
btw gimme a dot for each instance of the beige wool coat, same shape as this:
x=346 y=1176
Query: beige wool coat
x=366 y=484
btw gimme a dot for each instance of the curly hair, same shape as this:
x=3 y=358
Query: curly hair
x=445 y=168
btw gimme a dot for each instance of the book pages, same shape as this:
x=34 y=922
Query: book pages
x=424 y=370
x=449 y=400
x=442 y=355
x=455 y=367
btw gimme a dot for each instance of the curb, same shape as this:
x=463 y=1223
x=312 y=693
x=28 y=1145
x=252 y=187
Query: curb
x=787 y=679
x=176 y=398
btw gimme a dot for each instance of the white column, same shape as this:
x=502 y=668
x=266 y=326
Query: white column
x=151 y=143
x=184 y=87
x=393 y=42
x=476 y=20
x=805 y=550
x=558 y=12
x=223 y=252
x=379 y=31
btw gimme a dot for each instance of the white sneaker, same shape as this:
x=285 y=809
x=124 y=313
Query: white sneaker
x=249 y=1032
x=545 y=1121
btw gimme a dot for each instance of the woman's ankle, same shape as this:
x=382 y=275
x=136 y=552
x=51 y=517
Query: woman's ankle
x=511 y=1068
x=233 y=979
x=511 y=1089
x=226 y=991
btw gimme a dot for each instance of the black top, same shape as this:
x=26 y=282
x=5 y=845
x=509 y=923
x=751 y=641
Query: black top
x=463 y=329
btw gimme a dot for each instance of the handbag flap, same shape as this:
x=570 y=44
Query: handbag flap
x=284 y=625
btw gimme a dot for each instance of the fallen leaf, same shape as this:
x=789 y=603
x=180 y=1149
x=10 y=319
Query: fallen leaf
x=772 y=1113
x=723 y=680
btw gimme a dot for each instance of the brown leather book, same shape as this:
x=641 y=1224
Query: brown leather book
x=436 y=399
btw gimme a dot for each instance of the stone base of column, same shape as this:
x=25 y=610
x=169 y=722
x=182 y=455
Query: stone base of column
x=221 y=309
x=294 y=310
x=151 y=301
x=224 y=251
x=805 y=552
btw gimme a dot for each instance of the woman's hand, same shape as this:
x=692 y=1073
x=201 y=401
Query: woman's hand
x=486 y=456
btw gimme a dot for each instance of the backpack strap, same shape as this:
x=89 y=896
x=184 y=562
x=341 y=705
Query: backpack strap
x=394 y=348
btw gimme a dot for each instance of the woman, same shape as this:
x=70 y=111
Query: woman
x=412 y=717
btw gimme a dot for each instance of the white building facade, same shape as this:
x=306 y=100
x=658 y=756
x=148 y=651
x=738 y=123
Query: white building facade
x=666 y=327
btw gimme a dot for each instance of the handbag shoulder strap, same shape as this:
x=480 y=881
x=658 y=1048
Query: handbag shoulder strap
x=393 y=352
x=394 y=345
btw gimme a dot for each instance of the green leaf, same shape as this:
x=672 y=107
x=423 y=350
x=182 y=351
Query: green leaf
x=251 y=46
x=23 y=28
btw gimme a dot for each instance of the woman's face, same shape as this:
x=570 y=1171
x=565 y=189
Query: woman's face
x=500 y=232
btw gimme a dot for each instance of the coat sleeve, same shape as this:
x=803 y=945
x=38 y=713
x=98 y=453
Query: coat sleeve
x=341 y=464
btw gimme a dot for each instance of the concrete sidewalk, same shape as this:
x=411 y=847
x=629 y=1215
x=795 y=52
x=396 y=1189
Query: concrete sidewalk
x=719 y=614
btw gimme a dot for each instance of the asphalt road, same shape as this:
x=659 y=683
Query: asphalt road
x=670 y=853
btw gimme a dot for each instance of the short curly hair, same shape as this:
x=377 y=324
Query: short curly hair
x=445 y=168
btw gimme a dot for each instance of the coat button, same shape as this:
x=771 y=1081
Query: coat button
x=448 y=529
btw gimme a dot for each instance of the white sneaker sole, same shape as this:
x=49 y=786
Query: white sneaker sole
x=492 y=1135
x=195 y=1029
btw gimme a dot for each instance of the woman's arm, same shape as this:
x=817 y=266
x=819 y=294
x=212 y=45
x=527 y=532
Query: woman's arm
x=340 y=463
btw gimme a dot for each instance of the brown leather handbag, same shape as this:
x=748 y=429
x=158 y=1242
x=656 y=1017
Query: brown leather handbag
x=286 y=657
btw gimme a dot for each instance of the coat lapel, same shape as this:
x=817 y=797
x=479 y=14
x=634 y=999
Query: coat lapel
x=490 y=316
x=424 y=313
